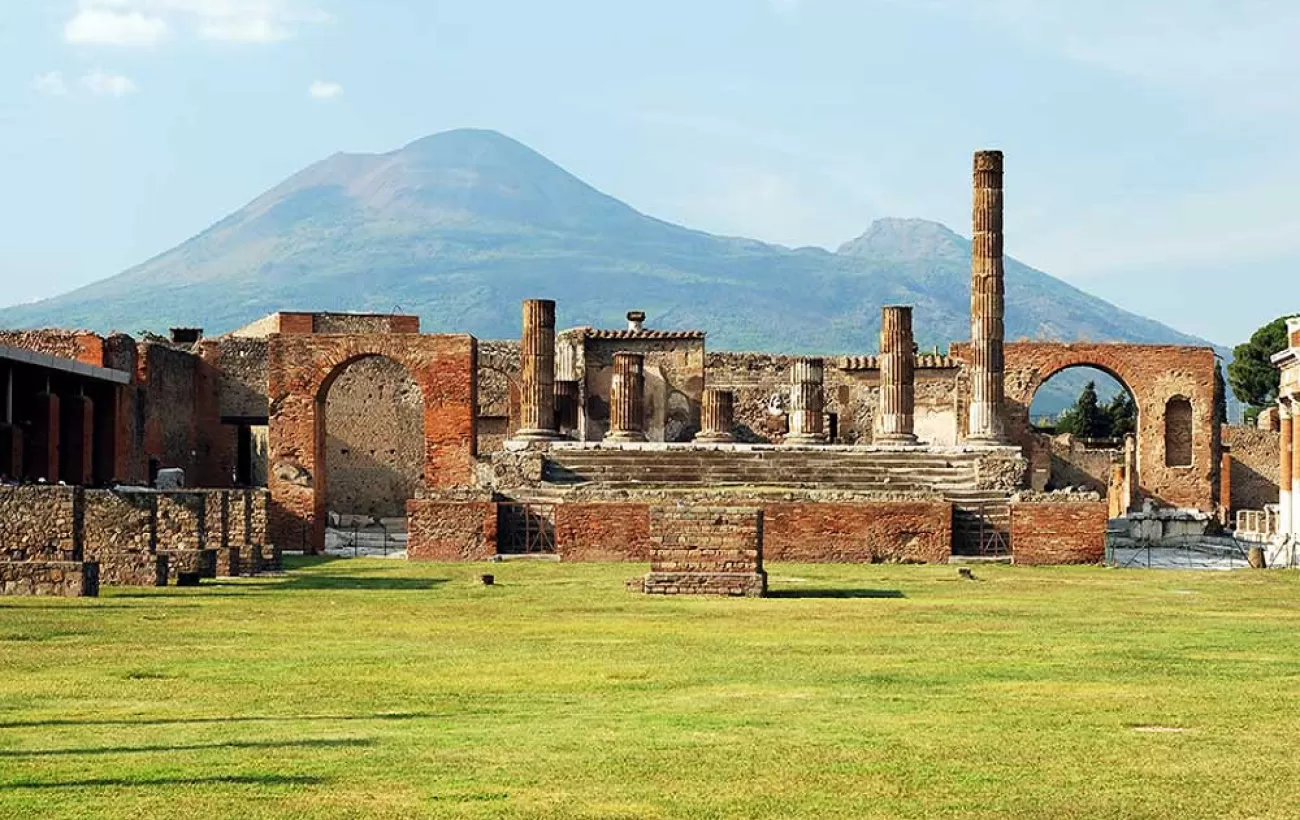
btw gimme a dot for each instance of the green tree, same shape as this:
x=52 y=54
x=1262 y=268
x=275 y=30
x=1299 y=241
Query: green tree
x=1252 y=375
x=1121 y=416
x=1086 y=419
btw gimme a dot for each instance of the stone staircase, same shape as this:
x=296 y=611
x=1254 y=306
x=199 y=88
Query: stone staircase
x=981 y=519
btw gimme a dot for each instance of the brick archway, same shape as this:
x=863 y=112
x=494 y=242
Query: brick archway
x=1153 y=374
x=300 y=370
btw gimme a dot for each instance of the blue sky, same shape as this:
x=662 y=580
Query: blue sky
x=1152 y=156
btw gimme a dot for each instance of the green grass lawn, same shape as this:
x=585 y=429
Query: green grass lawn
x=375 y=688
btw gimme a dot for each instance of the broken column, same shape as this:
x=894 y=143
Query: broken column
x=897 y=377
x=987 y=303
x=1286 y=475
x=717 y=417
x=537 y=372
x=807 y=403
x=627 y=399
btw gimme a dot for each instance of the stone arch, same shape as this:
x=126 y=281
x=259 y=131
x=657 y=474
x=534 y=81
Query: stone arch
x=300 y=371
x=1153 y=375
x=1071 y=462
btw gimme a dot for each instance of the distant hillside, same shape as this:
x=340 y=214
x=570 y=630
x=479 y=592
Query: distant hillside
x=460 y=226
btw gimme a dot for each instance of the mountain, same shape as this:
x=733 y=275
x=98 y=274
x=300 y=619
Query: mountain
x=460 y=226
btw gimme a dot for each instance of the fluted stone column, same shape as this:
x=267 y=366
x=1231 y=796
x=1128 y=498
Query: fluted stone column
x=627 y=399
x=807 y=403
x=537 y=372
x=987 y=425
x=717 y=417
x=897 y=377
x=1286 y=476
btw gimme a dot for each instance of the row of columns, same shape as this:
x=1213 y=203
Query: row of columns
x=540 y=392
x=807 y=418
x=58 y=442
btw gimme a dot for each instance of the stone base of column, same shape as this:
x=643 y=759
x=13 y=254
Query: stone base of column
x=986 y=441
x=625 y=437
x=537 y=435
x=897 y=440
x=714 y=437
x=805 y=438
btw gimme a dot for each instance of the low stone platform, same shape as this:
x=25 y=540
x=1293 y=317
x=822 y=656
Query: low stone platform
x=706 y=551
x=67 y=579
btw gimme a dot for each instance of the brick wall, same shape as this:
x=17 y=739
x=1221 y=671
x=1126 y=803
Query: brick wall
x=1058 y=532
x=41 y=523
x=703 y=550
x=451 y=530
x=858 y=532
x=602 y=531
x=69 y=579
x=1256 y=462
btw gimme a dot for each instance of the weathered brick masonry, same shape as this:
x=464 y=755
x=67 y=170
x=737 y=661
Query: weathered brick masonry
x=301 y=369
x=1058 y=532
x=858 y=532
x=702 y=550
x=602 y=531
x=451 y=530
x=1255 y=466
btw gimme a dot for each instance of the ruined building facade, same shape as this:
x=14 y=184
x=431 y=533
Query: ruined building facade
x=570 y=440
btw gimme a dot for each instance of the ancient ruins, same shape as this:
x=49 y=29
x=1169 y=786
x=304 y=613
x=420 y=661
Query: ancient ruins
x=630 y=444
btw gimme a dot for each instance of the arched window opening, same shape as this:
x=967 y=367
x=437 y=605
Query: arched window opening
x=1178 y=432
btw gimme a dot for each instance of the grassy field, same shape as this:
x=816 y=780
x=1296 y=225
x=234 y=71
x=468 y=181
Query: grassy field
x=377 y=688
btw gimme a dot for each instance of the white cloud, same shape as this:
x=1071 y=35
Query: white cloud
x=107 y=26
x=320 y=90
x=145 y=22
x=103 y=84
x=51 y=84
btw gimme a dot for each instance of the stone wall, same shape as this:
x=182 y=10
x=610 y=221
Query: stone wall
x=374 y=451
x=602 y=531
x=858 y=532
x=450 y=530
x=1073 y=464
x=1256 y=463
x=78 y=345
x=1064 y=532
x=69 y=579
x=42 y=523
x=498 y=393
x=170 y=408
x=674 y=381
x=706 y=551
x=179 y=521
x=761 y=384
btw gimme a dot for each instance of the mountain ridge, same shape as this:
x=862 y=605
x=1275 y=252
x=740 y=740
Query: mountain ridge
x=460 y=226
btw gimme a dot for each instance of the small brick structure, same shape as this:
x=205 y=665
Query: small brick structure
x=706 y=550
x=450 y=530
x=68 y=579
x=599 y=531
x=1064 y=532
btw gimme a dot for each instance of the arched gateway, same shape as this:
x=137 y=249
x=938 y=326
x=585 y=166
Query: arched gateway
x=1173 y=386
x=301 y=369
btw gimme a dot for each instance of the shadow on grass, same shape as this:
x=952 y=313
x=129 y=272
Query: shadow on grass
x=122 y=782
x=31 y=724
x=835 y=593
x=322 y=743
x=314 y=581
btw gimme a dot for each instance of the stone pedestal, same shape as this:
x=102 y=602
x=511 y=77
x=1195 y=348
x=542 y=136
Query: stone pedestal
x=897 y=377
x=717 y=417
x=987 y=399
x=627 y=399
x=807 y=402
x=537 y=372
